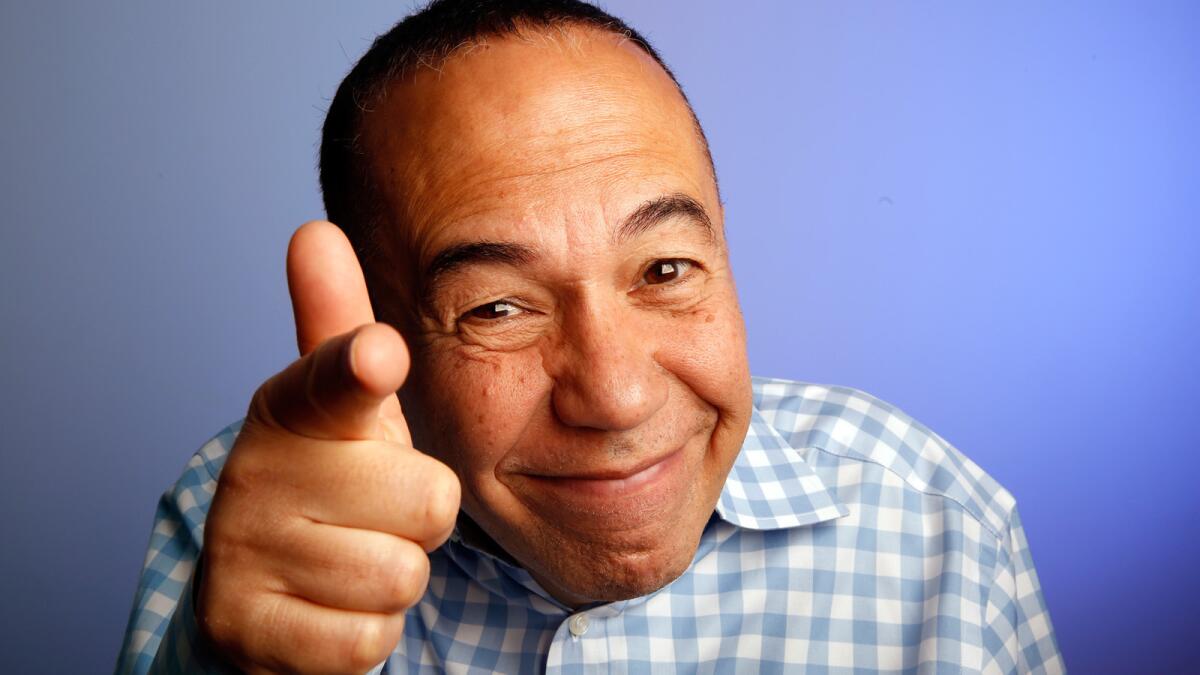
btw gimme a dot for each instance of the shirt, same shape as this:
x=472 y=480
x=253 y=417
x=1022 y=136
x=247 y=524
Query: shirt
x=848 y=538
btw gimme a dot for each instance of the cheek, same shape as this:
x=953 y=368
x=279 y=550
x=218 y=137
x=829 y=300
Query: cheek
x=476 y=406
x=708 y=354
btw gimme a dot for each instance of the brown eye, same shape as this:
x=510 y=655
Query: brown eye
x=494 y=310
x=665 y=271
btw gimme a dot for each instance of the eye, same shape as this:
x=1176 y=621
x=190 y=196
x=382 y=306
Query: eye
x=666 y=271
x=494 y=310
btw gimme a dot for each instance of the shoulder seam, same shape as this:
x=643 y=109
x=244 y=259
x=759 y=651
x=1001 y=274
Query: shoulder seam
x=851 y=454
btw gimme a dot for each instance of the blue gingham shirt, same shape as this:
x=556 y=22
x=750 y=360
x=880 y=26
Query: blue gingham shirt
x=848 y=539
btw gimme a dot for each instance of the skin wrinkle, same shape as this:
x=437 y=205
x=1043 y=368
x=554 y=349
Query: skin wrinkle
x=414 y=178
x=417 y=181
x=576 y=294
x=599 y=371
x=652 y=213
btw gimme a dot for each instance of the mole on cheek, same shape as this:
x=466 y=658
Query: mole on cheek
x=709 y=319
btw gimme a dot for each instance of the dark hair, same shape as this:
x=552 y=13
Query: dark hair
x=427 y=38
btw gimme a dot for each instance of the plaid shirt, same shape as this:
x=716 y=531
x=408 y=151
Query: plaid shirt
x=848 y=539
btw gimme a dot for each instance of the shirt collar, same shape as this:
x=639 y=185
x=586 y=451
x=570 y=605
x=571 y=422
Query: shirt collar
x=771 y=486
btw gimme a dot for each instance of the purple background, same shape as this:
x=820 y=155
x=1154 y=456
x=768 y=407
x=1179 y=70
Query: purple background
x=986 y=214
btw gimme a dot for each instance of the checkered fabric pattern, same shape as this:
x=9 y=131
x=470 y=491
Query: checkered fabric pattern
x=848 y=539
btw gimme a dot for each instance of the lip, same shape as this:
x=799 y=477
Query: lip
x=616 y=482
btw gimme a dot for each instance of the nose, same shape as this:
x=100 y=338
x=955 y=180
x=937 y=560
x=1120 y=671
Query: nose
x=606 y=376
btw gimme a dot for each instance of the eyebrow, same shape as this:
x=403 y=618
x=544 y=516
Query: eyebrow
x=645 y=217
x=660 y=209
x=475 y=252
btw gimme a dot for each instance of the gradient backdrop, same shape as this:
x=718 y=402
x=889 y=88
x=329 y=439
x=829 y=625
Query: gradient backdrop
x=984 y=213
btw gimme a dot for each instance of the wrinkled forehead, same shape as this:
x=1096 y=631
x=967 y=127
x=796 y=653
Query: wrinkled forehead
x=535 y=117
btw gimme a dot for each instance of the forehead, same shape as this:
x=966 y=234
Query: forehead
x=578 y=122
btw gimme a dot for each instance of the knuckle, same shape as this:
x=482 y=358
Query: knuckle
x=442 y=498
x=248 y=499
x=239 y=475
x=405 y=577
x=373 y=639
x=231 y=555
x=220 y=550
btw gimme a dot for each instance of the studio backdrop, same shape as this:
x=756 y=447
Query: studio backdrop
x=984 y=213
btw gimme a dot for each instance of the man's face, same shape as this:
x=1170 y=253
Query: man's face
x=558 y=266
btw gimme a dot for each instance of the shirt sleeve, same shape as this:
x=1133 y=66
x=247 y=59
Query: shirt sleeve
x=162 y=635
x=1018 y=636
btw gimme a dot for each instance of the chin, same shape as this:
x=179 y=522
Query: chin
x=583 y=573
x=634 y=580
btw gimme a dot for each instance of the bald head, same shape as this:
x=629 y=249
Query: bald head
x=425 y=42
x=535 y=114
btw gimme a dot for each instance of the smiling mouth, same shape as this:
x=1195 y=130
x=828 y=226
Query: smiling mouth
x=614 y=483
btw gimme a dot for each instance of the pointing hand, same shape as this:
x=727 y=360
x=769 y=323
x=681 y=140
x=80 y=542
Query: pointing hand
x=317 y=539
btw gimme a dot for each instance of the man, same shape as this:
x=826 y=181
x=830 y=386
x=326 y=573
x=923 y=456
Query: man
x=522 y=192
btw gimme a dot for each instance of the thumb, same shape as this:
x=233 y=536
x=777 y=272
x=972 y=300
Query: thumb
x=329 y=294
x=329 y=298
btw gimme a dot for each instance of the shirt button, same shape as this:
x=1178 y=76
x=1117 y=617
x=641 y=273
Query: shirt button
x=578 y=624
